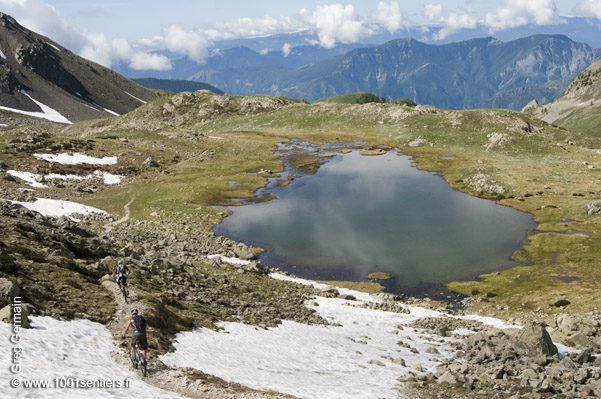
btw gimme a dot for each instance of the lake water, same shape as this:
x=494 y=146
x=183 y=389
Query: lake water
x=361 y=214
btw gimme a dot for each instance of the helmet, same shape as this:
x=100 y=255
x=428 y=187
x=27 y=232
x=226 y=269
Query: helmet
x=120 y=262
x=134 y=311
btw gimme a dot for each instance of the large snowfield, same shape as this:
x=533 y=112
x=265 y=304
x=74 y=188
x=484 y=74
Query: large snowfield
x=357 y=356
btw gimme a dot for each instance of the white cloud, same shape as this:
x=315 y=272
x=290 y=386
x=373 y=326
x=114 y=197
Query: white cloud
x=334 y=23
x=286 y=49
x=389 y=16
x=190 y=42
x=450 y=22
x=104 y=51
x=251 y=27
x=589 y=8
x=519 y=12
x=143 y=61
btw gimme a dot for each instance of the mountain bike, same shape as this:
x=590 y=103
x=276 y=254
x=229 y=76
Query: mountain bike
x=137 y=359
x=123 y=289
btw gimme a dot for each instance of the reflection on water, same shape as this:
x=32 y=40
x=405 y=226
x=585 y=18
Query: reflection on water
x=362 y=214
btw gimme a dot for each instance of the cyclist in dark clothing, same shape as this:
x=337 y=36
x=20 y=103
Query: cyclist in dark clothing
x=121 y=272
x=138 y=324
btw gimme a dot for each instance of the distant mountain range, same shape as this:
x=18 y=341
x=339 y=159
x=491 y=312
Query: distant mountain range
x=41 y=78
x=474 y=73
x=238 y=57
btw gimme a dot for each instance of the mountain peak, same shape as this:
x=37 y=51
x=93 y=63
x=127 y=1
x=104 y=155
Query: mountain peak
x=36 y=74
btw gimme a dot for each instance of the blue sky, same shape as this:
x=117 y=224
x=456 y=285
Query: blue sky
x=128 y=30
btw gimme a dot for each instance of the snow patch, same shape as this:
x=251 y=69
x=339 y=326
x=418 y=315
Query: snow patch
x=108 y=178
x=107 y=110
x=35 y=180
x=231 y=261
x=58 y=208
x=53 y=46
x=47 y=112
x=140 y=100
x=66 y=350
x=30 y=178
x=76 y=158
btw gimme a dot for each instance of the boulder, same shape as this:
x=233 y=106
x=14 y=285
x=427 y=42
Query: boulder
x=6 y=315
x=243 y=252
x=9 y=288
x=580 y=331
x=534 y=340
x=594 y=208
x=329 y=292
x=151 y=162
x=448 y=378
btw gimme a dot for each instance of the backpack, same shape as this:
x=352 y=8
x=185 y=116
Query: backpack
x=140 y=323
x=121 y=270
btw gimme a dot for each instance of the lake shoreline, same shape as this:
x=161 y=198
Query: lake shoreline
x=306 y=152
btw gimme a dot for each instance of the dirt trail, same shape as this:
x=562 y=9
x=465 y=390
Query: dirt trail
x=169 y=378
x=125 y=218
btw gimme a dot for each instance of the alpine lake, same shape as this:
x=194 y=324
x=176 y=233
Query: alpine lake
x=358 y=214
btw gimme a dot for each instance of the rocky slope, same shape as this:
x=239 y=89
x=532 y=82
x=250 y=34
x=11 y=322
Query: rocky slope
x=34 y=69
x=191 y=110
x=579 y=109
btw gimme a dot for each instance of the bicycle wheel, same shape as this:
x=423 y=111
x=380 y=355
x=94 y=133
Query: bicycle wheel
x=133 y=357
x=141 y=361
x=142 y=364
x=123 y=290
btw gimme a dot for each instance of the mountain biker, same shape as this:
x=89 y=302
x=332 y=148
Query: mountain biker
x=138 y=324
x=121 y=271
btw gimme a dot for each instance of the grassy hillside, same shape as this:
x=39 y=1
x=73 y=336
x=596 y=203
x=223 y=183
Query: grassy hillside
x=354 y=98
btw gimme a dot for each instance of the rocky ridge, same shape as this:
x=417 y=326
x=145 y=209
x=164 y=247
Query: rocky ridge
x=194 y=109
